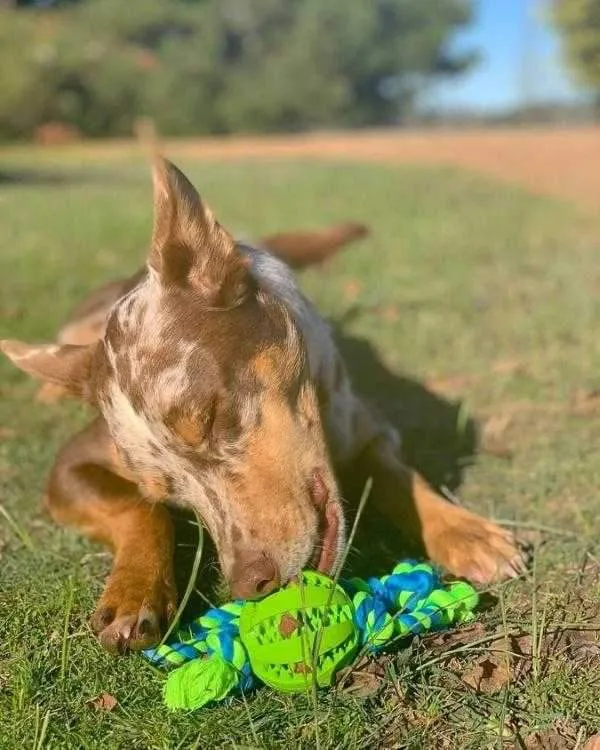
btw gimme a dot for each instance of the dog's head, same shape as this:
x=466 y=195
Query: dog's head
x=203 y=380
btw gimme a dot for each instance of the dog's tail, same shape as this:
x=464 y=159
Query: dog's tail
x=305 y=248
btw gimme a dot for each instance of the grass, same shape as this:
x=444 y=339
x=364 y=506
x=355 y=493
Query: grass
x=471 y=315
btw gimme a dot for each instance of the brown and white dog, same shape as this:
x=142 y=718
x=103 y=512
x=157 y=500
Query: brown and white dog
x=219 y=388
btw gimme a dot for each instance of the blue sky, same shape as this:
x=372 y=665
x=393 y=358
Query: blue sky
x=520 y=59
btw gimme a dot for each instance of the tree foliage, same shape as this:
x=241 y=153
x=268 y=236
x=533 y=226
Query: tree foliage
x=579 y=24
x=221 y=66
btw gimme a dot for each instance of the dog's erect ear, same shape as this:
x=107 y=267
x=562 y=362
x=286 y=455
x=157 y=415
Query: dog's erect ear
x=67 y=366
x=189 y=246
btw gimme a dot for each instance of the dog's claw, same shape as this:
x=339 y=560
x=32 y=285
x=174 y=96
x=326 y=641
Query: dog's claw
x=131 y=622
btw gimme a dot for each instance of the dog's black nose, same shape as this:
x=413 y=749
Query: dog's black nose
x=254 y=576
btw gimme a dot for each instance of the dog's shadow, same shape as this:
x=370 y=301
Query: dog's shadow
x=437 y=440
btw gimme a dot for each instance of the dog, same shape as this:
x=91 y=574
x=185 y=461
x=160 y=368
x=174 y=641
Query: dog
x=218 y=388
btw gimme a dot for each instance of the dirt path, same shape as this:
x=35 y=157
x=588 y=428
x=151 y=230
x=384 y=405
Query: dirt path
x=561 y=162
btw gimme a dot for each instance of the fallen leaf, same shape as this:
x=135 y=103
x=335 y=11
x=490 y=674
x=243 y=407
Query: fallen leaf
x=581 y=645
x=488 y=676
x=521 y=646
x=387 y=312
x=493 y=434
x=495 y=426
x=509 y=367
x=549 y=740
x=498 y=451
x=362 y=679
x=352 y=289
x=6 y=433
x=450 y=639
x=585 y=401
x=365 y=665
x=449 y=386
x=362 y=684
x=103 y=702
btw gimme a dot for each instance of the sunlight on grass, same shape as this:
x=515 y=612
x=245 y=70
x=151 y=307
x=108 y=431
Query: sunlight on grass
x=486 y=294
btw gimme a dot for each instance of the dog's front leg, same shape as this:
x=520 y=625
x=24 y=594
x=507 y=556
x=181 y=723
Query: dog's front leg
x=464 y=543
x=87 y=489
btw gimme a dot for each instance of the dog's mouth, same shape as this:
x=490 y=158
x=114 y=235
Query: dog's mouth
x=327 y=552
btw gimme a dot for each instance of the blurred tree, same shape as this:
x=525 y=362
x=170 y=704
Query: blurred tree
x=221 y=65
x=309 y=62
x=579 y=24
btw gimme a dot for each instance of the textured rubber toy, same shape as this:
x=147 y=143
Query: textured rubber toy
x=300 y=635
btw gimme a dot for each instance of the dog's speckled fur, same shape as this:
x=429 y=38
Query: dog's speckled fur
x=219 y=387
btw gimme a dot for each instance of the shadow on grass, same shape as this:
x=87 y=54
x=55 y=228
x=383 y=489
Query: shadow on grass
x=32 y=177
x=437 y=442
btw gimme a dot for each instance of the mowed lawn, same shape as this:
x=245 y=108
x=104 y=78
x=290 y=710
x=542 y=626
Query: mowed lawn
x=471 y=315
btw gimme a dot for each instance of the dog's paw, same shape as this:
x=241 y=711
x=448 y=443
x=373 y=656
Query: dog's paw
x=476 y=549
x=131 y=616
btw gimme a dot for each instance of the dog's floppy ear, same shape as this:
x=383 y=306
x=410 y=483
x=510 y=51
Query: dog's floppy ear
x=189 y=246
x=67 y=366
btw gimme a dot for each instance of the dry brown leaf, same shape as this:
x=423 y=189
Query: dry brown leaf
x=362 y=684
x=585 y=401
x=495 y=427
x=6 y=433
x=498 y=451
x=521 y=646
x=493 y=435
x=351 y=679
x=449 y=386
x=103 y=702
x=352 y=290
x=549 y=740
x=489 y=675
x=509 y=367
x=389 y=312
x=450 y=639
x=581 y=645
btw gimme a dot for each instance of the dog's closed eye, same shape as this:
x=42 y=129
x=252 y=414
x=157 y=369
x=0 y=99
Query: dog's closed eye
x=192 y=428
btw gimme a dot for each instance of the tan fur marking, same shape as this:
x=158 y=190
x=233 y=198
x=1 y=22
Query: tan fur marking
x=264 y=364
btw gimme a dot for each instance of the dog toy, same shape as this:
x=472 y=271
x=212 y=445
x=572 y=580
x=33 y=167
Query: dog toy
x=303 y=634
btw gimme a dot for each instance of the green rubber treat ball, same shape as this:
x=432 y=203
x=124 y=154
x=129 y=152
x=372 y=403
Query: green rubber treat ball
x=300 y=635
